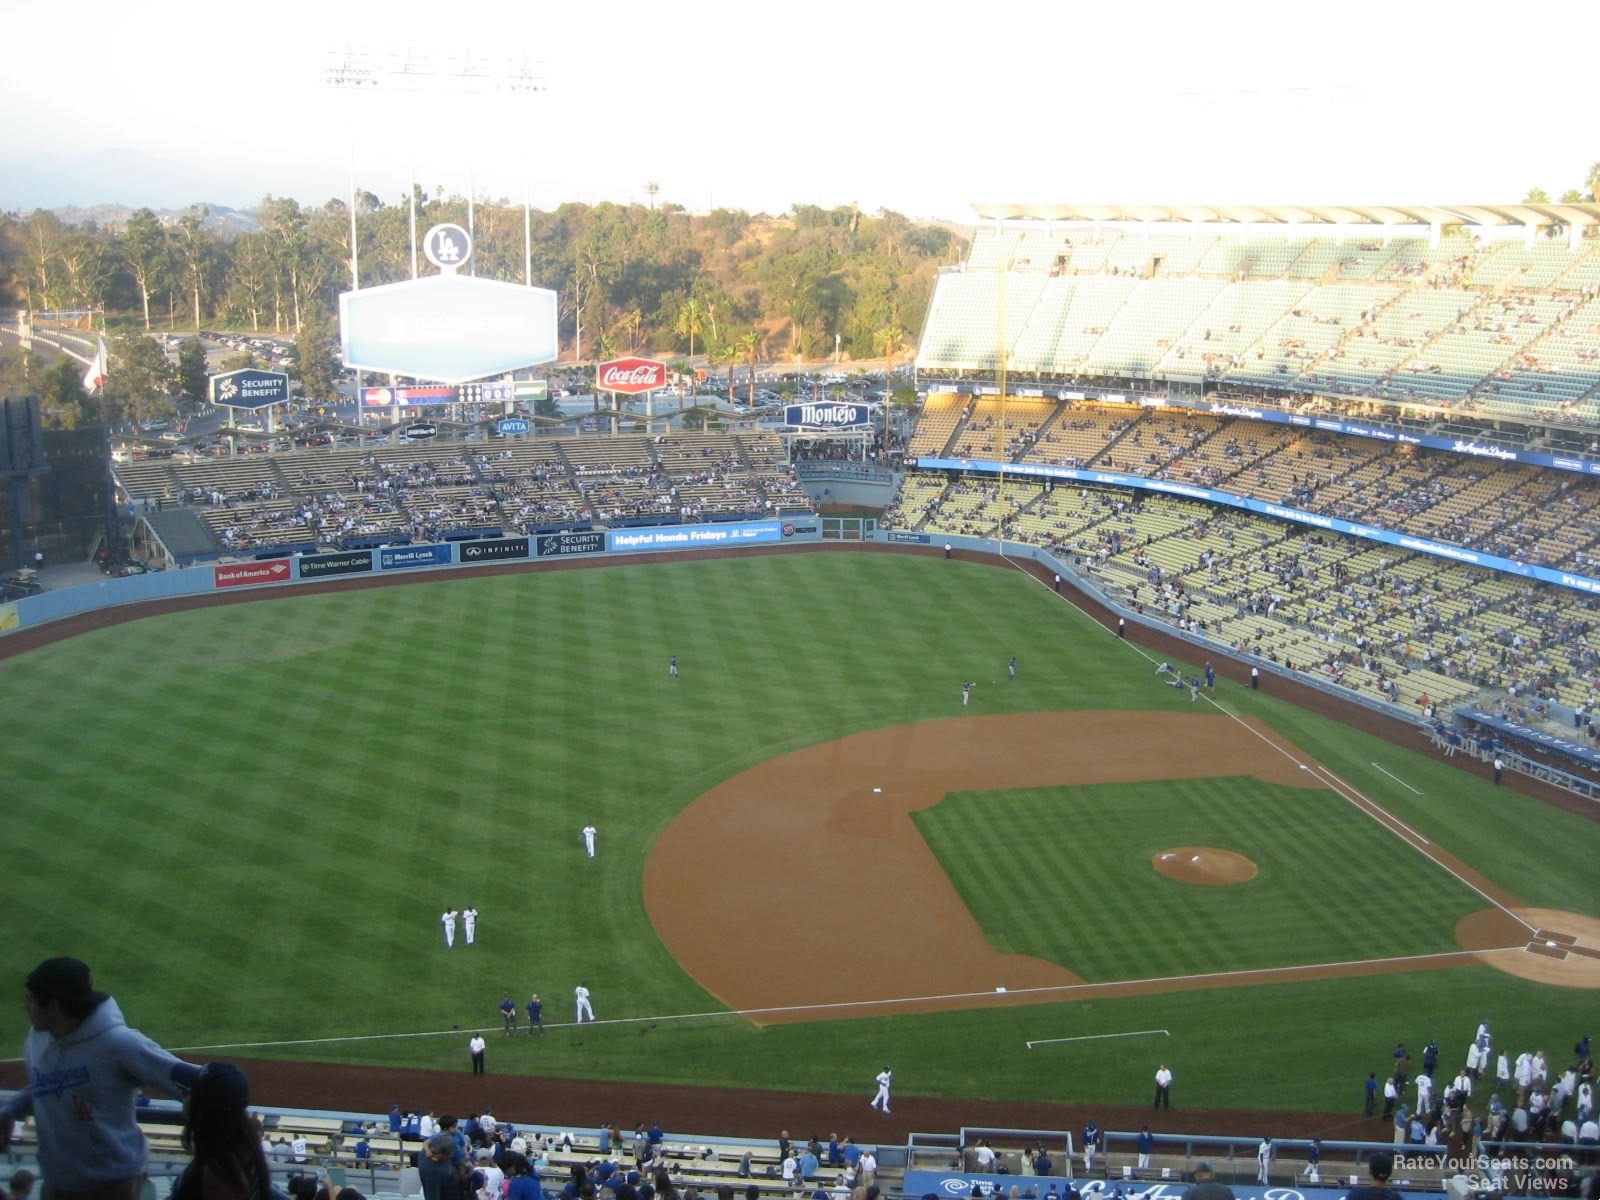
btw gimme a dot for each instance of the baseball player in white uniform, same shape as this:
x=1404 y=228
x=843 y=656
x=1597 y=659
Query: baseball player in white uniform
x=581 y=994
x=1265 y=1153
x=881 y=1100
x=469 y=921
x=449 y=922
x=588 y=840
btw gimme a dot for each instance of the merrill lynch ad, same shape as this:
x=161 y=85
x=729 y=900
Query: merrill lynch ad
x=678 y=536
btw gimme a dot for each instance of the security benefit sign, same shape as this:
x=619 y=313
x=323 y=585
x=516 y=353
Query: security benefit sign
x=493 y=549
x=249 y=388
x=548 y=545
x=827 y=416
x=344 y=562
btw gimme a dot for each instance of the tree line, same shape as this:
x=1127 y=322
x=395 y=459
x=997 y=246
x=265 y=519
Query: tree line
x=1589 y=191
x=728 y=285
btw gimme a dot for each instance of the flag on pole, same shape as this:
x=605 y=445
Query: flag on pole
x=95 y=377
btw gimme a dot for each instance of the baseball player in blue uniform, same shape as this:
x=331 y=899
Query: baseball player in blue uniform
x=508 y=1014
x=535 y=1014
x=1211 y=676
x=966 y=692
x=672 y=667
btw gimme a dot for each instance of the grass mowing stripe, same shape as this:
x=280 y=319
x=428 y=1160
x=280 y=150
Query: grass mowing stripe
x=391 y=736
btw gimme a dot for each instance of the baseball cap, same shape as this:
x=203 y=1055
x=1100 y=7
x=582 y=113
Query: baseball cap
x=1202 y=1166
x=64 y=981
x=1381 y=1164
x=220 y=1085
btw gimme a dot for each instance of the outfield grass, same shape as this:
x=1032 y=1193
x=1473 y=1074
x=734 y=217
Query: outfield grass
x=249 y=818
x=1107 y=914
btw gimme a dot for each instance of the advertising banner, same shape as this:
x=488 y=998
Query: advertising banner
x=915 y=539
x=948 y=1184
x=10 y=618
x=493 y=549
x=630 y=376
x=590 y=541
x=407 y=397
x=657 y=537
x=271 y=570
x=397 y=558
x=512 y=427
x=344 y=562
x=249 y=388
x=827 y=416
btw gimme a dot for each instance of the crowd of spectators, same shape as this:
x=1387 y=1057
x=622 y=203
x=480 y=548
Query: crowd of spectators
x=339 y=497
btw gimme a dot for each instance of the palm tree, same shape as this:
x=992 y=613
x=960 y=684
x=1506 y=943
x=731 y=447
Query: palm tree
x=751 y=343
x=691 y=320
x=1593 y=183
x=632 y=320
x=890 y=337
x=604 y=347
x=727 y=356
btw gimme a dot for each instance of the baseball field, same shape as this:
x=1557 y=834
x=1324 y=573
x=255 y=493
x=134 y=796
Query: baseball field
x=812 y=859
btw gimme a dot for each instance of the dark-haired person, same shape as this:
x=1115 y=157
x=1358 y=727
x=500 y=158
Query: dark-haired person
x=1379 y=1168
x=439 y=1178
x=522 y=1183
x=89 y=1140
x=225 y=1143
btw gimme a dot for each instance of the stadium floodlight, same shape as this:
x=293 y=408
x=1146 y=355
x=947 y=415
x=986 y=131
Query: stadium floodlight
x=461 y=72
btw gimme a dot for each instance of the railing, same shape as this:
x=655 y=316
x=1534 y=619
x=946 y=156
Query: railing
x=824 y=469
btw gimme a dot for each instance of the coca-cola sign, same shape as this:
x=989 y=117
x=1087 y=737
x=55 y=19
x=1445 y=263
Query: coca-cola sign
x=630 y=376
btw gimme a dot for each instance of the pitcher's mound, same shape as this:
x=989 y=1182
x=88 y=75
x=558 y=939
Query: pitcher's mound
x=1204 y=864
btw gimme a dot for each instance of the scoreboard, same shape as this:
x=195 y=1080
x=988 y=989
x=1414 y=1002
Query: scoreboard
x=488 y=392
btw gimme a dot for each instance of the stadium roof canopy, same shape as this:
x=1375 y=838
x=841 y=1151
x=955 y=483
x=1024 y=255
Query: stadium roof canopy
x=1503 y=215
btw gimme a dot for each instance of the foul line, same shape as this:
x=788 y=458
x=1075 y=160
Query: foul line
x=1355 y=797
x=1095 y=1037
x=1062 y=989
x=1397 y=779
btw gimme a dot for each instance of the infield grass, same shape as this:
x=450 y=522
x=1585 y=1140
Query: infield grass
x=1107 y=914
x=248 y=819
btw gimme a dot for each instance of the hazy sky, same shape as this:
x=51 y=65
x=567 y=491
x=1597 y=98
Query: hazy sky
x=924 y=108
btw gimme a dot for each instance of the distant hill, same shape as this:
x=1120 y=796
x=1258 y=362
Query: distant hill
x=111 y=179
x=222 y=221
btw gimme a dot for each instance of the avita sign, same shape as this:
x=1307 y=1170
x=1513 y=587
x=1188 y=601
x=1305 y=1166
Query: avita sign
x=630 y=376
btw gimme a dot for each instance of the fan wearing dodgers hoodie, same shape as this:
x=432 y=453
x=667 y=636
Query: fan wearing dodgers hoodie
x=84 y=1068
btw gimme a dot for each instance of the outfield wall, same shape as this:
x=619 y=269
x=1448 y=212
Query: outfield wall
x=254 y=575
